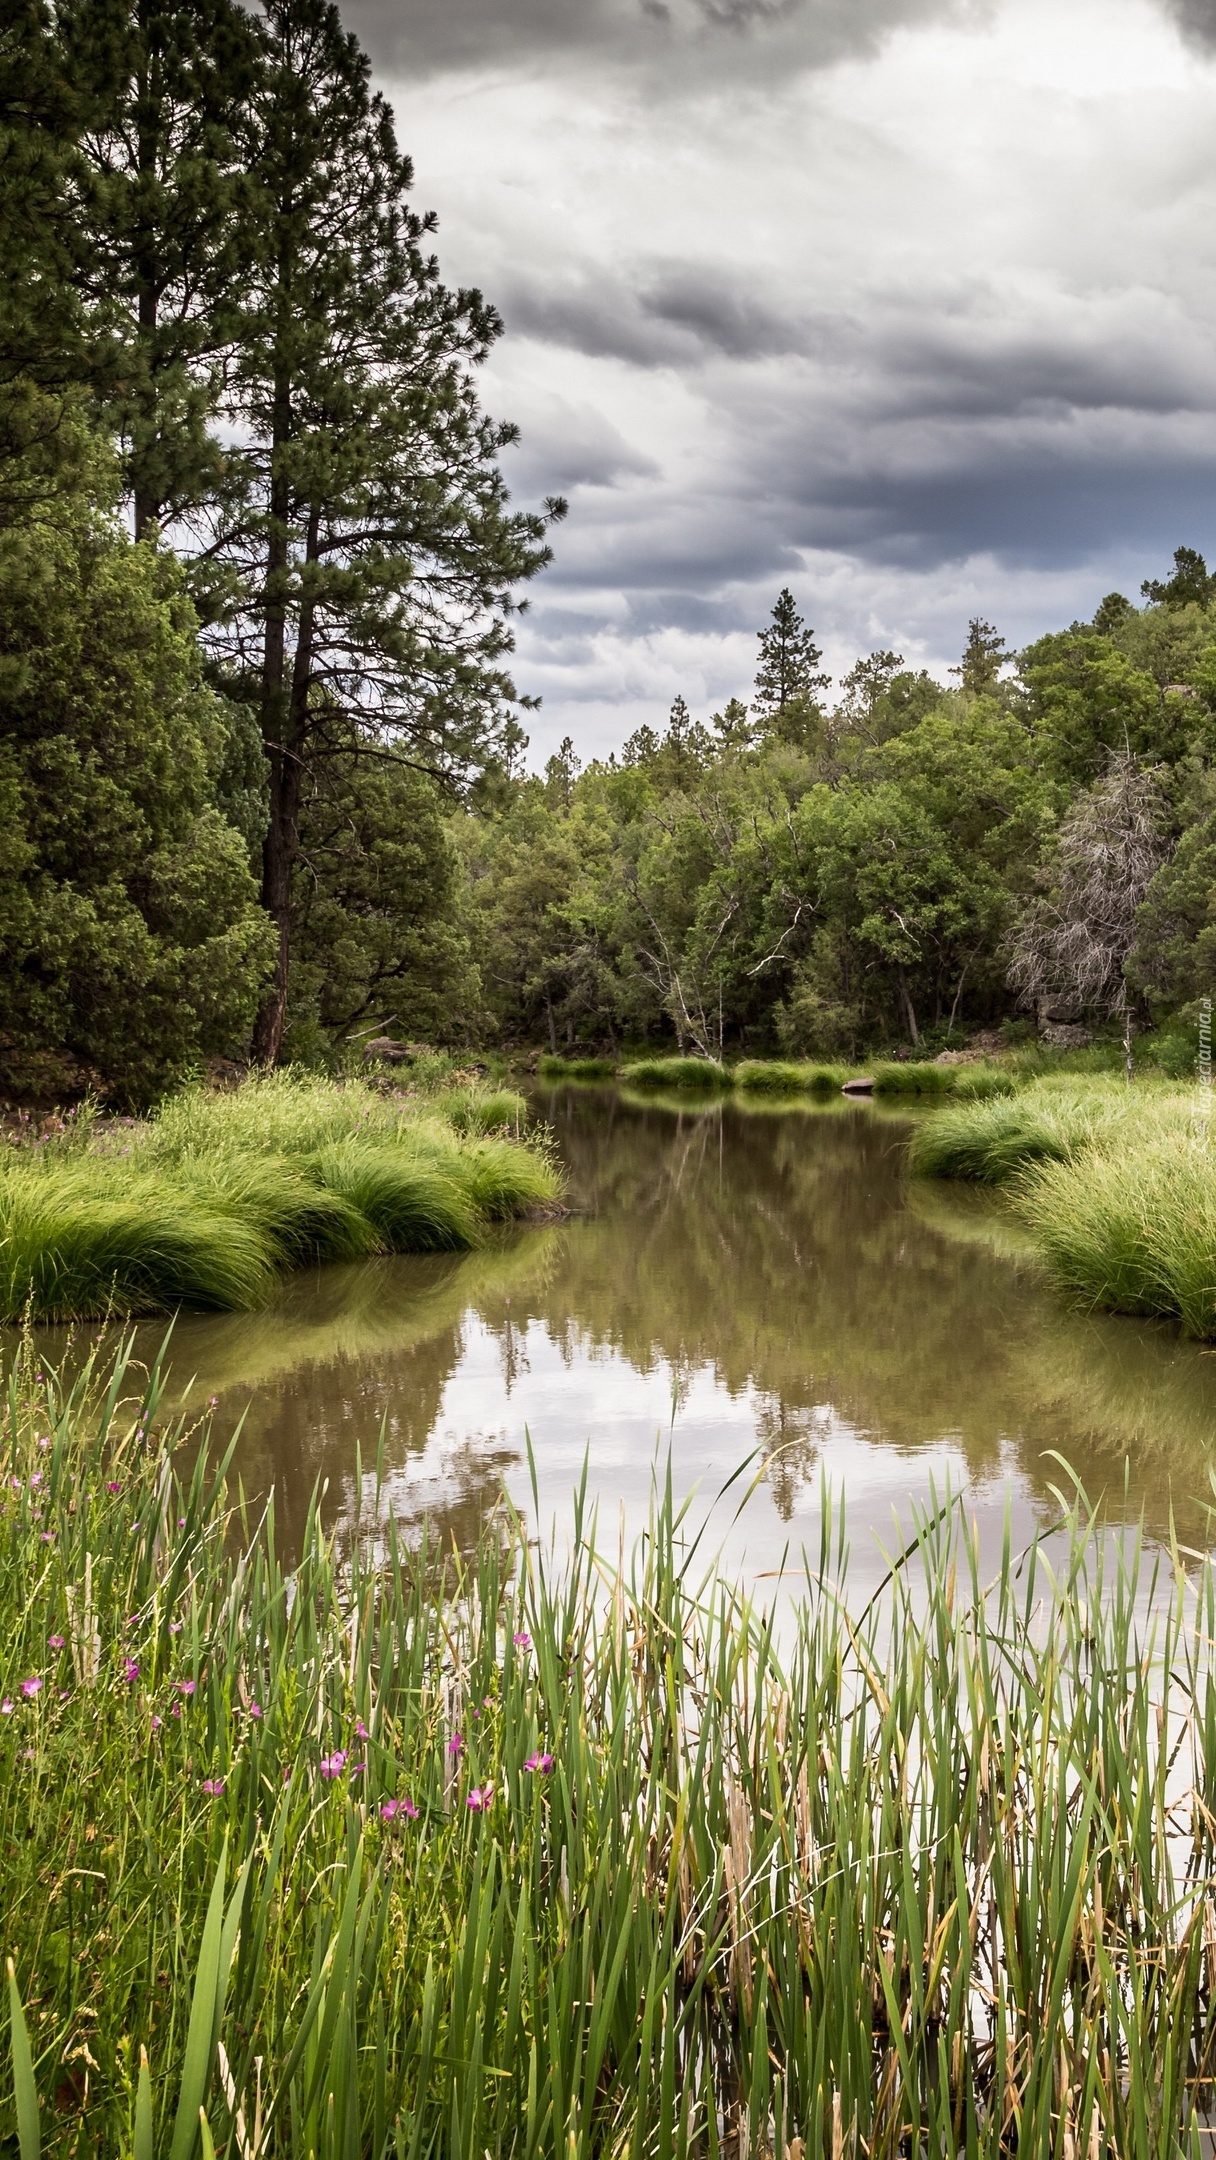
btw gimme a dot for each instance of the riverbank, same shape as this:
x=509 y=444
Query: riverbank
x=1115 y=1181
x=557 y=1860
x=211 y=1200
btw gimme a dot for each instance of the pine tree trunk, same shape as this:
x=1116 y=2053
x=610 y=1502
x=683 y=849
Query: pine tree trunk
x=286 y=748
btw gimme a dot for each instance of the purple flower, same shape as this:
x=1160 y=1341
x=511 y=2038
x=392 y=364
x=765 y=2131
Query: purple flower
x=47 y=1537
x=112 y=1485
x=456 y=1745
x=6 y=1707
x=31 y=1687
x=55 y=1642
x=185 y=1687
x=156 y=1724
x=522 y=1640
x=214 y=1786
x=361 y=1729
x=36 y=1479
x=390 y=1809
x=480 y=1798
x=255 y=1710
x=333 y=1765
x=175 y=1627
x=542 y=1763
x=130 y=1670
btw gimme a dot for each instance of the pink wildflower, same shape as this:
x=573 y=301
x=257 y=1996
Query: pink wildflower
x=112 y=1485
x=185 y=1687
x=155 y=1724
x=522 y=1640
x=456 y=1745
x=333 y=1765
x=361 y=1729
x=6 y=1707
x=130 y=1670
x=480 y=1798
x=543 y=1763
x=55 y=1642
x=255 y=1709
x=214 y=1786
x=390 y=1809
x=175 y=1627
x=31 y=1687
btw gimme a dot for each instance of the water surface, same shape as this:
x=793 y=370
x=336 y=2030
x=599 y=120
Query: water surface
x=735 y=1283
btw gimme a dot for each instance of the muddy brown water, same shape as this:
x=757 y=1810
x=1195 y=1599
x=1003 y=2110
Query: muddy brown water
x=734 y=1283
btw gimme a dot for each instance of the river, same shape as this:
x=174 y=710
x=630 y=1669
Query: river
x=751 y=1290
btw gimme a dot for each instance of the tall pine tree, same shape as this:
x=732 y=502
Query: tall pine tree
x=788 y=680
x=161 y=209
x=374 y=550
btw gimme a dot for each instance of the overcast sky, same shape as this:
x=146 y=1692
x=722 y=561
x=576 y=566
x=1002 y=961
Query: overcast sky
x=907 y=305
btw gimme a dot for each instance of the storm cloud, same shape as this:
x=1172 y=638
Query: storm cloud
x=910 y=307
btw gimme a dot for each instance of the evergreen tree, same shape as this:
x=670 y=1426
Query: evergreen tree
x=733 y=726
x=44 y=358
x=374 y=550
x=789 y=661
x=983 y=657
x=161 y=214
x=1191 y=582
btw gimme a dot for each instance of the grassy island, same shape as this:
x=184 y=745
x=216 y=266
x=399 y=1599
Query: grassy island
x=554 y=1860
x=209 y=1201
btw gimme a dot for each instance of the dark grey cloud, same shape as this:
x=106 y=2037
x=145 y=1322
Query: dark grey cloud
x=665 y=315
x=672 y=39
x=1196 y=19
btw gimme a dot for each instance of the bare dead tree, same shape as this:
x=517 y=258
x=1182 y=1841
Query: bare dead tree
x=1072 y=943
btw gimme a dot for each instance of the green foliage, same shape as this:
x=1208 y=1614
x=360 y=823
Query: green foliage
x=564 y=1926
x=380 y=916
x=208 y=1204
x=129 y=914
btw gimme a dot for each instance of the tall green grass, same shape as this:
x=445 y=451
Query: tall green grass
x=214 y=1198
x=970 y=1083
x=1132 y=1229
x=1048 y=1121
x=781 y=1076
x=577 y=1068
x=676 y=1072
x=561 y=1860
x=1116 y=1183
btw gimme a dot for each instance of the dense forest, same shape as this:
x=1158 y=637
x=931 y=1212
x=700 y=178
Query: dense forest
x=261 y=756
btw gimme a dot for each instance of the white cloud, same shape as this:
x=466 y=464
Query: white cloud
x=924 y=332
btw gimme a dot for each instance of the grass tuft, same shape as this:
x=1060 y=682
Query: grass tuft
x=676 y=1072
x=785 y=1076
x=218 y=1195
x=577 y=1068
